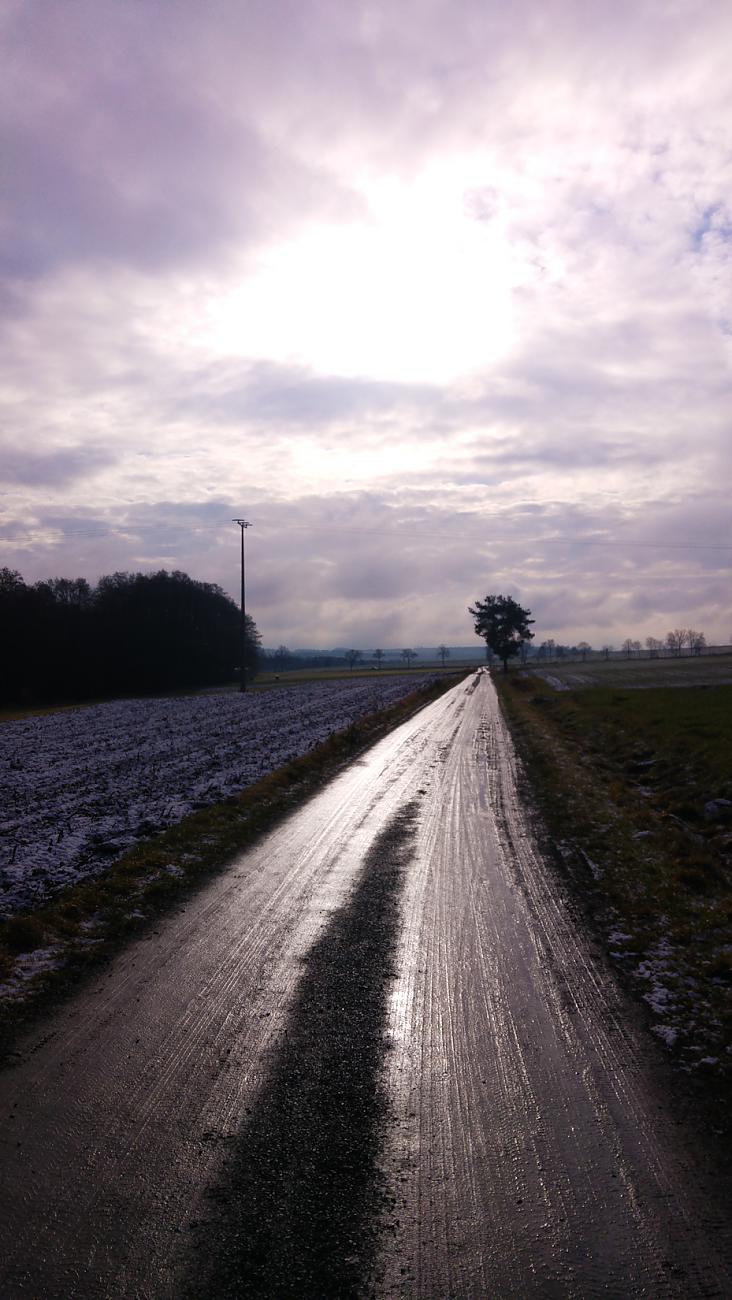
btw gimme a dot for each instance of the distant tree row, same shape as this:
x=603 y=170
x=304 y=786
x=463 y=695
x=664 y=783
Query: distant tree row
x=288 y=660
x=133 y=633
x=676 y=640
x=679 y=641
x=504 y=626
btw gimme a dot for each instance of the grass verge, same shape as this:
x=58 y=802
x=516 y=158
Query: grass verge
x=44 y=953
x=635 y=790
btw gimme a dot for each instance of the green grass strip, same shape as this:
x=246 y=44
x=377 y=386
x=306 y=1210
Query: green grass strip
x=631 y=786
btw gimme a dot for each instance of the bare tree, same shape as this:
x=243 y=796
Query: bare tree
x=281 y=654
x=353 y=657
x=584 y=648
x=444 y=653
x=378 y=655
x=695 y=640
x=653 y=645
x=408 y=656
x=675 y=640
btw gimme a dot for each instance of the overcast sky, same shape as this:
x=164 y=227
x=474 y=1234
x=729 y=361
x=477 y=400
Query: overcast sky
x=434 y=292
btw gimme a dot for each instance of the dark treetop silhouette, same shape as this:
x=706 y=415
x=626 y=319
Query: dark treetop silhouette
x=133 y=632
x=503 y=624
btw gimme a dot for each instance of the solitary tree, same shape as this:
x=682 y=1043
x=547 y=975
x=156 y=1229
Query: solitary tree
x=503 y=624
x=444 y=653
x=378 y=655
x=353 y=657
x=408 y=656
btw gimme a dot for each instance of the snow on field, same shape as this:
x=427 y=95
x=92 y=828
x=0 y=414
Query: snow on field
x=79 y=787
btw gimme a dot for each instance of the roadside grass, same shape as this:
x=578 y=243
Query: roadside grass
x=631 y=787
x=14 y=714
x=43 y=953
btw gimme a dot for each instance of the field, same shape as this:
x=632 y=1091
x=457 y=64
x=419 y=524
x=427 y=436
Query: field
x=635 y=788
x=698 y=670
x=271 y=678
x=81 y=786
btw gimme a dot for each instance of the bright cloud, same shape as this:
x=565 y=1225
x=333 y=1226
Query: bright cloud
x=419 y=292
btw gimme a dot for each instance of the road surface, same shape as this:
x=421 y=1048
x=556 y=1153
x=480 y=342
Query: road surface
x=376 y=1056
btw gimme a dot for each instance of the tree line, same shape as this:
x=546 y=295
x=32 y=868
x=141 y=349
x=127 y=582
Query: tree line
x=504 y=626
x=283 y=659
x=682 y=640
x=132 y=633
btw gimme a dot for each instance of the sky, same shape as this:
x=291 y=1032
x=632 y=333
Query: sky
x=436 y=294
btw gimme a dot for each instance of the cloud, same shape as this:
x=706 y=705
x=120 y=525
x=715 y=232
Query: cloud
x=122 y=147
x=439 y=295
x=267 y=393
x=62 y=467
x=396 y=568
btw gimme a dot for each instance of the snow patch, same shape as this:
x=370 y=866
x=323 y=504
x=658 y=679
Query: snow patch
x=26 y=966
x=666 y=1032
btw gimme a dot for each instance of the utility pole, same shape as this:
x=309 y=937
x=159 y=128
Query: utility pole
x=243 y=621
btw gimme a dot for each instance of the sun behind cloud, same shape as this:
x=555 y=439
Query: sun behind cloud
x=420 y=293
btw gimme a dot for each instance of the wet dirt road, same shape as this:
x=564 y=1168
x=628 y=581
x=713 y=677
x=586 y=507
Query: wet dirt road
x=523 y=1147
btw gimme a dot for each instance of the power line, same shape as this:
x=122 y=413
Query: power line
x=542 y=541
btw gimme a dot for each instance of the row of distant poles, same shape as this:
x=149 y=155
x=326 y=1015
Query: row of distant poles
x=243 y=524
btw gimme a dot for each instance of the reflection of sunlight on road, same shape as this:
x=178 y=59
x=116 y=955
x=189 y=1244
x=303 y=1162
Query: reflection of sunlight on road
x=400 y=1004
